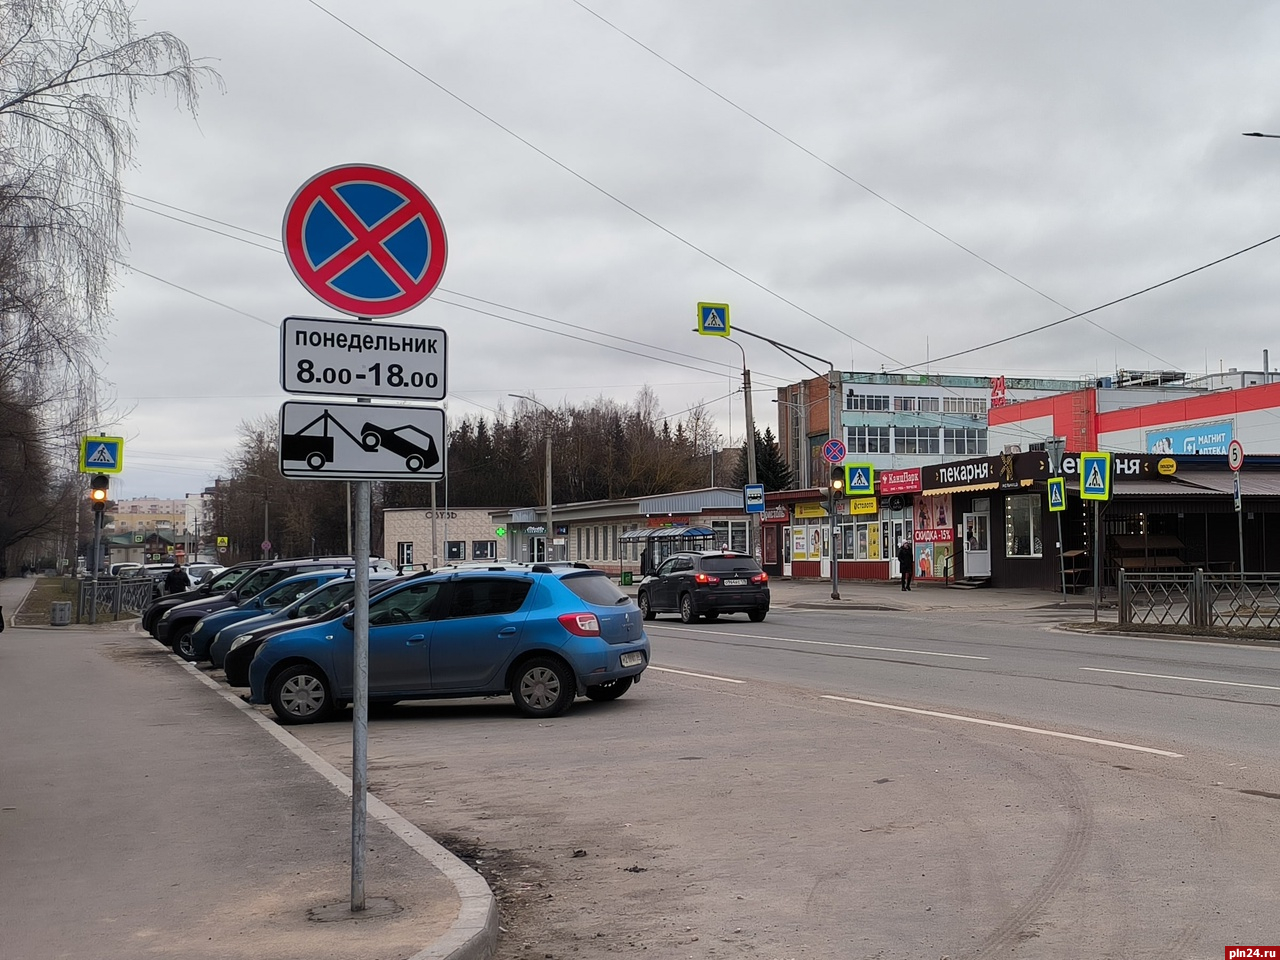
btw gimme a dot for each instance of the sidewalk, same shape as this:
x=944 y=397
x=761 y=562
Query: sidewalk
x=924 y=595
x=144 y=814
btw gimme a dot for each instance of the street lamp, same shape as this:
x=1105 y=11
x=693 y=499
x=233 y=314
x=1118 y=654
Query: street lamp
x=549 y=546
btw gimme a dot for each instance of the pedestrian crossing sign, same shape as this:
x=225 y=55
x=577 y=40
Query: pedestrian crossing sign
x=1057 y=494
x=101 y=454
x=859 y=480
x=713 y=319
x=1095 y=476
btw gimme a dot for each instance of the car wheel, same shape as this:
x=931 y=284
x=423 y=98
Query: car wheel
x=712 y=614
x=687 y=612
x=300 y=694
x=543 y=687
x=370 y=441
x=414 y=462
x=183 y=645
x=645 y=610
x=612 y=690
x=316 y=461
x=758 y=614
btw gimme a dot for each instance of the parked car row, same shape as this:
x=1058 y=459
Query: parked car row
x=542 y=633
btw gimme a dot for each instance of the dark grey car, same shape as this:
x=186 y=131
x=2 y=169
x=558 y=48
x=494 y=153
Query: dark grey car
x=706 y=584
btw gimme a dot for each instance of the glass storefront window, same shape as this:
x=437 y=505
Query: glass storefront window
x=1022 y=531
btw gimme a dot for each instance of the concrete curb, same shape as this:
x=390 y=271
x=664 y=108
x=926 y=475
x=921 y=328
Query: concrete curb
x=474 y=934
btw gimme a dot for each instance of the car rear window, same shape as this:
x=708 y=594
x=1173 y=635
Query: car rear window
x=596 y=588
x=486 y=597
x=730 y=565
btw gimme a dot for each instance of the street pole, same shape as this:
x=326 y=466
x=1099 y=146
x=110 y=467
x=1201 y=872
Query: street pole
x=837 y=487
x=754 y=519
x=266 y=510
x=1057 y=447
x=551 y=528
x=360 y=701
x=1097 y=559
x=435 y=550
x=548 y=545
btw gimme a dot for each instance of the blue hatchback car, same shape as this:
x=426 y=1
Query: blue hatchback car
x=542 y=633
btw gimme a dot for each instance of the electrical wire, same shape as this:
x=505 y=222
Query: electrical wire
x=856 y=182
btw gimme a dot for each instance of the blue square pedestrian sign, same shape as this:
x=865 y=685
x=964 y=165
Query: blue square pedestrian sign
x=859 y=479
x=1057 y=494
x=101 y=454
x=1095 y=476
x=713 y=319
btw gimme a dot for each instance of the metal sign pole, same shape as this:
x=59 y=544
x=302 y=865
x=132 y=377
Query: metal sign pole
x=360 y=700
x=1097 y=560
x=1240 y=526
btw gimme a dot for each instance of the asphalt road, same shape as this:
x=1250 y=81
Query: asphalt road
x=862 y=784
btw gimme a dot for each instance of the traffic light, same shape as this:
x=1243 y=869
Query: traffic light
x=837 y=480
x=98 y=491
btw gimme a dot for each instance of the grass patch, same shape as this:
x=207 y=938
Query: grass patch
x=35 y=610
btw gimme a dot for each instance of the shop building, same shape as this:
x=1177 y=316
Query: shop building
x=897 y=421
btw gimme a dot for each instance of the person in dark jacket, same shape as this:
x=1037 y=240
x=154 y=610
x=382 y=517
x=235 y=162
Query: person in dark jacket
x=177 y=580
x=906 y=563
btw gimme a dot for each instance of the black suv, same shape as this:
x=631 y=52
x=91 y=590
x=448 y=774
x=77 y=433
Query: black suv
x=706 y=584
x=213 y=586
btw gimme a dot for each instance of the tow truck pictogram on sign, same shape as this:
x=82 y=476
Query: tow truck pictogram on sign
x=361 y=441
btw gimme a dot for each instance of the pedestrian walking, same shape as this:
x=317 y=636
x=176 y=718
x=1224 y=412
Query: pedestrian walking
x=906 y=563
x=177 y=580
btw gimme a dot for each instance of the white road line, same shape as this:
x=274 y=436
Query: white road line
x=704 y=676
x=1162 y=676
x=1006 y=726
x=833 y=643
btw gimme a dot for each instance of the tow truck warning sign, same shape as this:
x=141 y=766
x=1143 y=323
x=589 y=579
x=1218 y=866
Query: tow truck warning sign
x=349 y=441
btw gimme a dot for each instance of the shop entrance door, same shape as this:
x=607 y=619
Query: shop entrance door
x=977 y=545
x=892 y=533
x=538 y=549
x=786 y=551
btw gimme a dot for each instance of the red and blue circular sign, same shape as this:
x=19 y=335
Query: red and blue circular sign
x=834 y=451
x=365 y=240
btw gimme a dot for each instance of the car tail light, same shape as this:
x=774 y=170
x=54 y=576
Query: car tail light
x=705 y=578
x=581 y=624
x=761 y=577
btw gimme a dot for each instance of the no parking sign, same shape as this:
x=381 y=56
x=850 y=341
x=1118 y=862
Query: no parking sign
x=365 y=240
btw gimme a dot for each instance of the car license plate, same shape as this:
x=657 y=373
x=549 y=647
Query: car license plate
x=632 y=659
x=735 y=583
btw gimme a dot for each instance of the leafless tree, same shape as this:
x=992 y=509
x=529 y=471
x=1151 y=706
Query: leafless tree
x=71 y=72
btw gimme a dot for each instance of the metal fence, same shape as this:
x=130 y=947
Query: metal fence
x=1200 y=599
x=110 y=597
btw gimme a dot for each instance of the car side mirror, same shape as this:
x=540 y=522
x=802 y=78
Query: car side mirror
x=349 y=621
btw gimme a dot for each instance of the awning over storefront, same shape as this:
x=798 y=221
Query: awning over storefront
x=668 y=533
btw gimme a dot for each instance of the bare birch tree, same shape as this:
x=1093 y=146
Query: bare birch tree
x=71 y=73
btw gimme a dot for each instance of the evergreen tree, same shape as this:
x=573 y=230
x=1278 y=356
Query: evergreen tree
x=771 y=468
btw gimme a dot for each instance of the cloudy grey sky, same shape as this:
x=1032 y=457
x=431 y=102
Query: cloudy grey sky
x=1087 y=150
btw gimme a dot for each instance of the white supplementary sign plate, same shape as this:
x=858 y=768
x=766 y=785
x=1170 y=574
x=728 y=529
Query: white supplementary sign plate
x=357 y=358
x=361 y=441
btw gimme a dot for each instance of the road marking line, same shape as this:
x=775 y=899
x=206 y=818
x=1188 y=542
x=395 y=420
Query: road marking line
x=832 y=643
x=1163 y=676
x=704 y=676
x=1006 y=726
